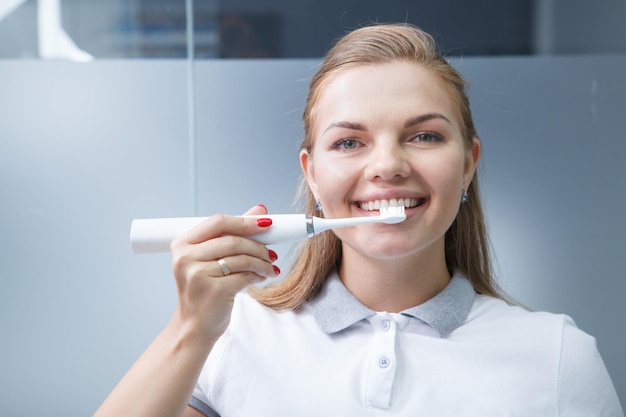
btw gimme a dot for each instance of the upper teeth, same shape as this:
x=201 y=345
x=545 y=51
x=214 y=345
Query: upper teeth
x=394 y=202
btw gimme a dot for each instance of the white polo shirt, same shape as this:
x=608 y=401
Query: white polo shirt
x=458 y=354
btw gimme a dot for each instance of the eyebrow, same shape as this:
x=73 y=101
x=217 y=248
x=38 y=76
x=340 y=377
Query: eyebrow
x=410 y=122
x=346 y=125
x=425 y=117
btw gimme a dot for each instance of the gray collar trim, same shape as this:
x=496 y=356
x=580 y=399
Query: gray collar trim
x=335 y=308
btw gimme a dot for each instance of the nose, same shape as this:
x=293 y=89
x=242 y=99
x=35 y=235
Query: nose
x=387 y=160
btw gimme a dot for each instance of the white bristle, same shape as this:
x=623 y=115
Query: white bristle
x=393 y=214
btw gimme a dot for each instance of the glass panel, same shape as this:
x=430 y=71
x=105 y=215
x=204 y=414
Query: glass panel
x=288 y=29
x=305 y=29
x=80 y=30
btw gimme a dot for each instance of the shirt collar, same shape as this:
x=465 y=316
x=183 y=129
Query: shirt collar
x=336 y=309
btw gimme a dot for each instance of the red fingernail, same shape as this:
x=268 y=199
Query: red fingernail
x=264 y=222
x=273 y=255
x=262 y=205
x=276 y=269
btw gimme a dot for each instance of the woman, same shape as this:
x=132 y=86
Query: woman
x=401 y=319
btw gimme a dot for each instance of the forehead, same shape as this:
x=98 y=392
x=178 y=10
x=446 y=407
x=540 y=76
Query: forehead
x=388 y=91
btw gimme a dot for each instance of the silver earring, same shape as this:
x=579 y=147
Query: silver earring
x=318 y=205
x=464 y=196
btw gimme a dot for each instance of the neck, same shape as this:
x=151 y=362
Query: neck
x=394 y=285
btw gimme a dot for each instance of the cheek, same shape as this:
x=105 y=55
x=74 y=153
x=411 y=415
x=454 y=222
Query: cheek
x=331 y=177
x=335 y=179
x=445 y=173
x=333 y=185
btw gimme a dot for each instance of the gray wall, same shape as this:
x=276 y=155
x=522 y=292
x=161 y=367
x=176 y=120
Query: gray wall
x=84 y=149
x=579 y=26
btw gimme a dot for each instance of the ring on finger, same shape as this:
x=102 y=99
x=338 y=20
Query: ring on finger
x=224 y=266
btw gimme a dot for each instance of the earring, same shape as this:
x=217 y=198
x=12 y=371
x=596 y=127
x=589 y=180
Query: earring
x=464 y=196
x=318 y=205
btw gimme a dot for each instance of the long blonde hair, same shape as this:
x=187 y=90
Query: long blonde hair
x=466 y=243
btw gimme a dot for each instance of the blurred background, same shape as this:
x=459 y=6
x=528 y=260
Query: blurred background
x=114 y=110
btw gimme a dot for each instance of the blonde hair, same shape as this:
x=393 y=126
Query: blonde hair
x=466 y=243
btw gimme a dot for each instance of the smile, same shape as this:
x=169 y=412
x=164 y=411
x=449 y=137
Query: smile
x=394 y=202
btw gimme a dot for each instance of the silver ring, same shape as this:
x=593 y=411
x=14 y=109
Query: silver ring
x=225 y=269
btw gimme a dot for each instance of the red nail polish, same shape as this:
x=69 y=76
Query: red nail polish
x=276 y=269
x=273 y=255
x=264 y=222
x=262 y=205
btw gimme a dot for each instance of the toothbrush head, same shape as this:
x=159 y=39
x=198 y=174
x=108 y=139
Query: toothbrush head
x=392 y=215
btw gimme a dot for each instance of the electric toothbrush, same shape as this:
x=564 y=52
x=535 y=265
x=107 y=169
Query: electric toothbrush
x=156 y=235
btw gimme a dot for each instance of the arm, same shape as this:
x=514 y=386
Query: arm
x=585 y=388
x=160 y=383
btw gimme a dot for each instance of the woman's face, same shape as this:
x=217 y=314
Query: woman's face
x=389 y=134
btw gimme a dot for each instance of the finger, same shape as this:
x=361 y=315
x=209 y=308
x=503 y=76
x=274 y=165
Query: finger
x=208 y=281
x=237 y=274
x=233 y=265
x=234 y=283
x=230 y=245
x=220 y=224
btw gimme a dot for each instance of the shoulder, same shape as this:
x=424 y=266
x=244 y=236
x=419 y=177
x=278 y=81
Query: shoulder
x=555 y=343
x=496 y=313
x=541 y=334
x=253 y=322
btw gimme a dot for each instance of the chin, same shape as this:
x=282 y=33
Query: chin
x=385 y=248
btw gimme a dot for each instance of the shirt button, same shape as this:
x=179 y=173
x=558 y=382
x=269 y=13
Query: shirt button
x=384 y=362
x=386 y=325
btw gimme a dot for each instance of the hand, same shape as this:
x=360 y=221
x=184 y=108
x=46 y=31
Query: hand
x=205 y=293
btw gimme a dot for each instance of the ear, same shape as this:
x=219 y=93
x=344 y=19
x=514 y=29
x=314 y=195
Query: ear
x=306 y=163
x=472 y=156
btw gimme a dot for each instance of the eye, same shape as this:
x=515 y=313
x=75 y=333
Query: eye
x=426 y=137
x=347 y=144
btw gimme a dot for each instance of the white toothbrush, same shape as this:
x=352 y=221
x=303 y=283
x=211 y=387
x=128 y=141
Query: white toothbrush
x=156 y=235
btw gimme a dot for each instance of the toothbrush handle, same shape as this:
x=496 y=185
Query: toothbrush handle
x=285 y=228
x=156 y=235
